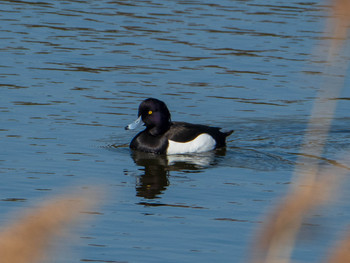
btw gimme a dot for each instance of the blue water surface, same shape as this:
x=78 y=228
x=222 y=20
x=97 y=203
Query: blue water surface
x=72 y=75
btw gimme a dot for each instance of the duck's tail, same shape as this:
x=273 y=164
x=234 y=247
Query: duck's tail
x=228 y=133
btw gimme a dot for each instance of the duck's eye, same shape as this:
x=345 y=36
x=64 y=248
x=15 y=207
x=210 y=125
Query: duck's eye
x=150 y=112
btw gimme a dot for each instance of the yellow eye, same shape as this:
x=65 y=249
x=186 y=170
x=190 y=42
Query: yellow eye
x=150 y=112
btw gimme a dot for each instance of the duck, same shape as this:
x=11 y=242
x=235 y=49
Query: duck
x=164 y=136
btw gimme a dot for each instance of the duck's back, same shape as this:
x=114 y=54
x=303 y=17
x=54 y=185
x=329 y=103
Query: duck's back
x=184 y=132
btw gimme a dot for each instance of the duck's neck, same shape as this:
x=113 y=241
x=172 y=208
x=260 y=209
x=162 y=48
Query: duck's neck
x=158 y=130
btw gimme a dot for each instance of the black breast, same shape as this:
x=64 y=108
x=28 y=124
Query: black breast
x=146 y=142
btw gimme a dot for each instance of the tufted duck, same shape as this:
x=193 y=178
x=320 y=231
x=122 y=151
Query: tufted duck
x=162 y=136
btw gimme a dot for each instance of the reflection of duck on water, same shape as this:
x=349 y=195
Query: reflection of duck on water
x=155 y=177
x=157 y=167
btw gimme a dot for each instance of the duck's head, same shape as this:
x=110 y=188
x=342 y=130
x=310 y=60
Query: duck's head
x=154 y=114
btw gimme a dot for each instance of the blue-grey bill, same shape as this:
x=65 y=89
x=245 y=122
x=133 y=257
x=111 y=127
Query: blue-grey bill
x=135 y=124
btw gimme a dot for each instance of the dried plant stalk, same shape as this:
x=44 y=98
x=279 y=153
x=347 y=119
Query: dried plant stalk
x=341 y=12
x=341 y=253
x=29 y=239
x=277 y=235
x=312 y=187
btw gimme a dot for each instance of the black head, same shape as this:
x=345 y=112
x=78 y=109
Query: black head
x=155 y=115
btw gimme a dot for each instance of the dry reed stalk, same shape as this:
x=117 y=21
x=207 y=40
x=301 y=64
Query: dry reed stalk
x=312 y=187
x=277 y=236
x=341 y=253
x=29 y=239
x=341 y=12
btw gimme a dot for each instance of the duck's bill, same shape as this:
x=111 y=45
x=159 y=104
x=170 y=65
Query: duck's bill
x=135 y=124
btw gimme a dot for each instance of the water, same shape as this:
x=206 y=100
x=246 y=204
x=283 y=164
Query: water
x=72 y=75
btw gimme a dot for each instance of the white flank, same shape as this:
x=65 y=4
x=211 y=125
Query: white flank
x=202 y=143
